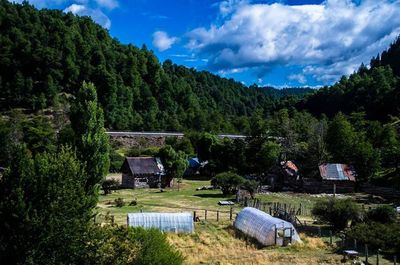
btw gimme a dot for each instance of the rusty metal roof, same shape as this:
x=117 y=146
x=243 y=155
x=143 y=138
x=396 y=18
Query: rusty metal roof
x=290 y=168
x=337 y=172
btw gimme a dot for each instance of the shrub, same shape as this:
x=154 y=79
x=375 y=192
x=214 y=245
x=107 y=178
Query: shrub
x=154 y=248
x=133 y=203
x=228 y=182
x=122 y=245
x=250 y=186
x=119 y=202
x=384 y=214
x=108 y=185
x=377 y=235
x=336 y=212
x=116 y=161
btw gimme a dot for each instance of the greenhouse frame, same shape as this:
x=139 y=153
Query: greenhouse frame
x=267 y=230
x=166 y=222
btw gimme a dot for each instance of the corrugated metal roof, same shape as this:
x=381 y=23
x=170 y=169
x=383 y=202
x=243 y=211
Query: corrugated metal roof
x=144 y=165
x=166 y=222
x=337 y=172
x=290 y=168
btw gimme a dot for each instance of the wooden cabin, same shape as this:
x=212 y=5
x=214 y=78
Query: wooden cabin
x=143 y=172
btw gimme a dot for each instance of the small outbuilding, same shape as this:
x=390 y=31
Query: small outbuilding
x=166 y=222
x=337 y=172
x=334 y=178
x=267 y=230
x=143 y=172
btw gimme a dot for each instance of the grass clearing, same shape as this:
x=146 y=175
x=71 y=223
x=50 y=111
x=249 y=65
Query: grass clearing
x=216 y=242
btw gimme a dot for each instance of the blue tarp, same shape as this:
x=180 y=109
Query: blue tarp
x=166 y=222
x=194 y=162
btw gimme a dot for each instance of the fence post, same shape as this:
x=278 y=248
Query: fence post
x=334 y=190
x=355 y=244
x=319 y=231
x=127 y=221
x=245 y=202
x=205 y=214
x=217 y=216
x=270 y=210
x=366 y=253
x=194 y=216
x=112 y=219
x=395 y=260
x=377 y=257
x=330 y=237
x=230 y=213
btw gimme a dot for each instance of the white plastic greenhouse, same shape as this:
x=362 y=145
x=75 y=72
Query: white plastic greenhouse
x=267 y=230
x=166 y=222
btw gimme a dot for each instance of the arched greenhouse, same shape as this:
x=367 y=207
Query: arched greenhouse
x=267 y=230
x=166 y=222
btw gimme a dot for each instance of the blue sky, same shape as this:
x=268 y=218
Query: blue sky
x=279 y=43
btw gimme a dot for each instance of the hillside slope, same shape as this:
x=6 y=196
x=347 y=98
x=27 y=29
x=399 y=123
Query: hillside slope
x=375 y=91
x=47 y=54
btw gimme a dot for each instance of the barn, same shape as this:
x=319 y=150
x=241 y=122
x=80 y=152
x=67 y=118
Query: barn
x=143 y=172
x=166 y=222
x=267 y=230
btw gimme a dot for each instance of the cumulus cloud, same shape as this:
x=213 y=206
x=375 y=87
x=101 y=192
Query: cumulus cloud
x=96 y=14
x=326 y=40
x=162 y=41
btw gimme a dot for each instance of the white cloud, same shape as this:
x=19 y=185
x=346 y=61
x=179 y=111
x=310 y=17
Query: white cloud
x=162 y=41
x=326 y=40
x=109 y=4
x=96 y=14
x=300 y=78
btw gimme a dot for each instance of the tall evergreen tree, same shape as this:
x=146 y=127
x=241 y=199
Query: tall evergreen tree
x=91 y=140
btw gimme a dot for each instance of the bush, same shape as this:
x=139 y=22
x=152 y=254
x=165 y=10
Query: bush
x=119 y=202
x=250 y=186
x=154 y=248
x=108 y=185
x=336 y=212
x=116 y=161
x=377 y=235
x=228 y=182
x=122 y=245
x=384 y=214
x=133 y=203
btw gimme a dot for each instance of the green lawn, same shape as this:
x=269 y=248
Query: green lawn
x=186 y=199
x=171 y=200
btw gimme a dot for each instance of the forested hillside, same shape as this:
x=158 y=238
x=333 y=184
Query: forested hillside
x=375 y=91
x=47 y=54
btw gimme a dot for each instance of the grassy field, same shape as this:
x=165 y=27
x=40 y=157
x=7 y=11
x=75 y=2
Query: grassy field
x=216 y=242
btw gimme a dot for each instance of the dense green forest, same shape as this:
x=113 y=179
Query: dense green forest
x=47 y=54
x=374 y=90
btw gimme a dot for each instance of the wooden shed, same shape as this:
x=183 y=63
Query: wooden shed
x=143 y=172
x=338 y=178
